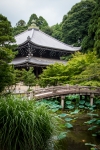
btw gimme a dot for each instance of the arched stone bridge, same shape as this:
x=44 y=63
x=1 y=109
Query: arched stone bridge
x=62 y=91
x=65 y=90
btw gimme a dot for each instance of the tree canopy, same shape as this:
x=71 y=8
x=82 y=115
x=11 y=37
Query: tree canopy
x=81 y=69
x=21 y=23
x=6 y=54
x=75 y=23
x=92 y=40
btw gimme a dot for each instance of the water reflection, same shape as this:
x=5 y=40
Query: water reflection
x=77 y=137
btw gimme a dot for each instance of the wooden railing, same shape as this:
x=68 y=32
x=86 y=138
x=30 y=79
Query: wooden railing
x=54 y=91
x=65 y=90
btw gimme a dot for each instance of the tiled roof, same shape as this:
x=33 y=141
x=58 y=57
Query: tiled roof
x=36 y=61
x=40 y=38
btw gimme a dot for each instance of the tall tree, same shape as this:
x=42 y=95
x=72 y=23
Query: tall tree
x=57 y=31
x=32 y=17
x=48 y=30
x=6 y=54
x=21 y=23
x=92 y=40
x=20 y=27
x=41 y=22
x=28 y=77
x=75 y=23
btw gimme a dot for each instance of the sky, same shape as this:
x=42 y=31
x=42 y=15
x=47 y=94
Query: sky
x=51 y=10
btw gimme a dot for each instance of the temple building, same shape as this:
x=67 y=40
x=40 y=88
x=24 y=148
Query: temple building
x=37 y=49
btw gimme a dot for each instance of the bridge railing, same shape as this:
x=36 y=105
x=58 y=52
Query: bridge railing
x=68 y=87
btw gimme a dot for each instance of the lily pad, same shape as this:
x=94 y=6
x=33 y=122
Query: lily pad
x=94 y=134
x=93 y=127
x=90 y=144
x=75 y=112
x=62 y=115
x=87 y=104
x=68 y=119
x=68 y=125
x=70 y=106
x=91 y=121
x=82 y=102
x=81 y=106
x=93 y=114
x=68 y=102
x=98 y=122
x=62 y=135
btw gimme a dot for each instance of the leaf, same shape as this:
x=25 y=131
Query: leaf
x=81 y=106
x=97 y=102
x=93 y=114
x=70 y=106
x=75 y=112
x=62 y=135
x=91 y=121
x=93 y=127
x=68 y=125
x=90 y=144
x=54 y=110
x=62 y=115
x=87 y=104
x=68 y=102
x=81 y=102
x=98 y=122
x=94 y=134
x=68 y=119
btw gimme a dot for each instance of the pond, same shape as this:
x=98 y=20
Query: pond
x=81 y=122
x=78 y=136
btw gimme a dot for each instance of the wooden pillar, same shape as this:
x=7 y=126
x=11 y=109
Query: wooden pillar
x=86 y=97
x=80 y=97
x=91 y=99
x=36 y=72
x=62 y=101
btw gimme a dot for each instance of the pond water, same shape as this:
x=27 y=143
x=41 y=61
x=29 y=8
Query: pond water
x=78 y=136
x=76 y=113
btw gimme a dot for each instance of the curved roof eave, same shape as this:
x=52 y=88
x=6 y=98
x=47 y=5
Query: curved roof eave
x=39 y=38
x=49 y=47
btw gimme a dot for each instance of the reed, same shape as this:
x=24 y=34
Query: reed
x=23 y=125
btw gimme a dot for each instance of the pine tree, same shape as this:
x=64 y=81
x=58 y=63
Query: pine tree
x=6 y=54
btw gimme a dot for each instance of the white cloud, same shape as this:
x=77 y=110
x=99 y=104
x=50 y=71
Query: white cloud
x=52 y=10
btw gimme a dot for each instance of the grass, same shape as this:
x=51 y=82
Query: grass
x=23 y=126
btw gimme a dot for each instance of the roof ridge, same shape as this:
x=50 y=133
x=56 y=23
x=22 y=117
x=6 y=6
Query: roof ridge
x=32 y=33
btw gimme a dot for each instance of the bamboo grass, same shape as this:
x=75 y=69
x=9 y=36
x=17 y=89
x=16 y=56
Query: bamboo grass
x=23 y=125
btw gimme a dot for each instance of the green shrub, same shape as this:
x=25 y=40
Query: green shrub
x=23 y=126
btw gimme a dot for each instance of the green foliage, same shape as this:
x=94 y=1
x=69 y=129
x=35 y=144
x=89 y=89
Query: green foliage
x=52 y=75
x=40 y=22
x=75 y=23
x=48 y=30
x=57 y=31
x=21 y=23
x=83 y=69
x=5 y=32
x=69 y=125
x=92 y=41
x=6 y=55
x=32 y=17
x=24 y=126
x=17 y=30
x=62 y=135
x=28 y=77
